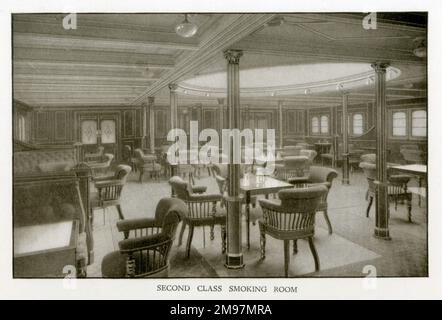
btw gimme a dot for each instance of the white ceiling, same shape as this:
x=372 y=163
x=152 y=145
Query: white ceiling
x=121 y=59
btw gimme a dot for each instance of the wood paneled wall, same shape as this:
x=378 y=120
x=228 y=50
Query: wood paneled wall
x=49 y=126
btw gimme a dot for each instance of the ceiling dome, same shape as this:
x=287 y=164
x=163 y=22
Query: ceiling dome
x=288 y=79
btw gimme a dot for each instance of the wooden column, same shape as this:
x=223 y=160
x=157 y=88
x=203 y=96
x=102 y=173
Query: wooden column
x=234 y=256
x=221 y=114
x=345 y=164
x=382 y=215
x=144 y=130
x=281 y=124
x=151 y=102
x=173 y=121
x=173 y=106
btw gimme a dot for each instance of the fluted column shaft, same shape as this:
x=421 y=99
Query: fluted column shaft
x=221 y=114
x=234 y=256
x=144 y=108
x=173 y=106
x=345 y=165
x=281 y=124
x=151 y=102
x=382 y=214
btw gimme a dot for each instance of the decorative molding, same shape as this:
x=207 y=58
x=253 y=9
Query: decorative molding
x=230 y=29
x=233 y=56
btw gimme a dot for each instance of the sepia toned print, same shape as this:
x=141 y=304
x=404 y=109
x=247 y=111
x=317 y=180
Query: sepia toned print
x=213 y=145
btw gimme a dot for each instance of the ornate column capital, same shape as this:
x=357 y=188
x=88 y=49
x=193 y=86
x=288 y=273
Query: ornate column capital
x=380 y=67
x=232 y=56
x=173 y=87
x=150 y=100
x=220 y=101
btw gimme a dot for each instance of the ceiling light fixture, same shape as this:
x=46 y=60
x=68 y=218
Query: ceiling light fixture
x=186 y=29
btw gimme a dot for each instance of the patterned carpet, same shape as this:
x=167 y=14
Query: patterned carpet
x=343 y=254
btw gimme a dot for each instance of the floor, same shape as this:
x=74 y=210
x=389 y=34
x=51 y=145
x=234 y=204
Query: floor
x=345 y=253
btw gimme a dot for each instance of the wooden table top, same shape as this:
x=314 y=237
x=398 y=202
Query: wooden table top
x=420 y=169
x=322 y=143
x=263 y=183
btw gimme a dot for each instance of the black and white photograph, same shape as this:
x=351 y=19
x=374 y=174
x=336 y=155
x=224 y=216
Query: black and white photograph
x=246 y=151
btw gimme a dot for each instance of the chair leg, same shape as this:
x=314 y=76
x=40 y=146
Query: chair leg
x=295 y=246
x=286 y=257
x=327 y=219
x=189 y=240
x=212 y=233
x=314 y=253
x=223 y=238
x=262 y=243
x=180 y=238
x=120 y=212
x=370 y=202
x=91 y=218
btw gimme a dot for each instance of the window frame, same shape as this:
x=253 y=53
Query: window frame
x=318 y=125
x=408 y=119
x=413 y=137
x=319 y=116
x=352 y=123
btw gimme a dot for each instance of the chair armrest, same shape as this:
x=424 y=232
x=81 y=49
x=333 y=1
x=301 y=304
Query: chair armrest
x=132 y=224
x=205 y=197
x=199 y=189
x=107 y=183
x=269 y=204
x=327 y=184
x=133 y=244
x=148 y=158
x=104 y=178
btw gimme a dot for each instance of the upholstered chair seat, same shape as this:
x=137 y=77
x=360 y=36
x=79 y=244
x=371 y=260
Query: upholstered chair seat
x=295 y=169
x=102 y=165
x=310 y=154
x=397 y=184
x=109 y=191
x=147 y=163
x=292 y=218
x=202 y=211
x=148 y=241
x=323 y=176
x=288 y=151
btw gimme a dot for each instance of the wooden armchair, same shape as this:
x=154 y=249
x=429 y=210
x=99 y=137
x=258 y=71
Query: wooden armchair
x=291 y=219
x=146 y=253
x=201 y=211
x=101 y=166
x=397 y=184
x=295 y=169
x=128 y=157
x=413 y=156
x=289 y=151
x=323 y=176
x=310 y=154
x=147 y=163
x=109 y=191
x=94 y=156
